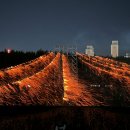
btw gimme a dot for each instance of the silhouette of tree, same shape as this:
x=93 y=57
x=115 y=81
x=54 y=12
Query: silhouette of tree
x=18 y=57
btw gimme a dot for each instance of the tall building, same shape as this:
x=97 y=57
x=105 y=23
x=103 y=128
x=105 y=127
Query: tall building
x=90 y=50
x=114 y=49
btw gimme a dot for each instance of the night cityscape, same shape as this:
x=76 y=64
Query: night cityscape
x=64 y=65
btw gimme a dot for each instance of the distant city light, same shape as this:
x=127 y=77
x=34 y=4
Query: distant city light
x=8 y=50
x=114 y=49
x=90 y=50
x=127 y=55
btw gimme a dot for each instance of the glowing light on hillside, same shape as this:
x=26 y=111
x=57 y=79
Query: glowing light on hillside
x=73 y=90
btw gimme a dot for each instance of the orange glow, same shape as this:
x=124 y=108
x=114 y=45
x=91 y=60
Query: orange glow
x=49 y=80
x=27 y=69
x=104 y=66
x=74 y=91
x=36 y=85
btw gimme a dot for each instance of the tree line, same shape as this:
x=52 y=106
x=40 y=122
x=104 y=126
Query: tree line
x=18 y=57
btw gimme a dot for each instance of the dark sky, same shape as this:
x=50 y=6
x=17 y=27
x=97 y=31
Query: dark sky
x=34 y=24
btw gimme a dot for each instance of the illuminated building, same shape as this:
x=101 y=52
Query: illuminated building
x=89 y=51
x=114 y=49
x=127 y=55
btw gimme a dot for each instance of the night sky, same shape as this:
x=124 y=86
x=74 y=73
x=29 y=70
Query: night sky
x=29 y=25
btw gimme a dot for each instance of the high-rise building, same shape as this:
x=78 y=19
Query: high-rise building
x=114 y=49
x=90 y=50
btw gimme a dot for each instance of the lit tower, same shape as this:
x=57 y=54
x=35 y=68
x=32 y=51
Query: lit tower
x=90 y=50
x=114 y=49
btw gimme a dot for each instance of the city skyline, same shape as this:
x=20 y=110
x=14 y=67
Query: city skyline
x=86 y=48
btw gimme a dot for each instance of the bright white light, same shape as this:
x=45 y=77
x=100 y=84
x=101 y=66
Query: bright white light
x=28 y=86
x=8 y=51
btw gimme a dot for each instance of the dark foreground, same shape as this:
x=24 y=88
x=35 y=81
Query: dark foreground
x=72 y=118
